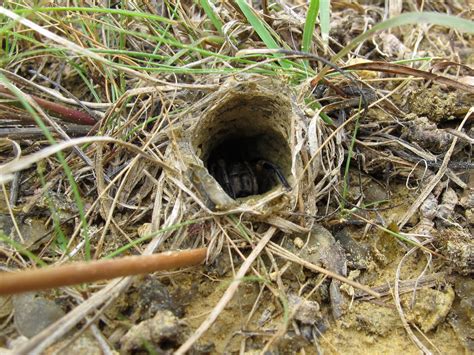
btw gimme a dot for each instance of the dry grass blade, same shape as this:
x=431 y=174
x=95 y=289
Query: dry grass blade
x=436 y=179
x=438 y=66
x=31 y=159
x=396 y=291
x=37 y=133
x=404 y=70
x=229 y=293
x=406 y=286
x=291 y=257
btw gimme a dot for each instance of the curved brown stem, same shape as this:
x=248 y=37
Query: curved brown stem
x=76 y=273
x=63 y=112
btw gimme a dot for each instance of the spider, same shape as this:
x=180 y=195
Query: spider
x=244 y=178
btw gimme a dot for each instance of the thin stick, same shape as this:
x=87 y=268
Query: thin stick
x=404 y=286
x=296 y=259
x=66 y=113
x=37 y=133
x=76 y=273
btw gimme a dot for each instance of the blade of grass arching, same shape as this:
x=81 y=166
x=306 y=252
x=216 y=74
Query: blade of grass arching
x=163 y=38
x=133 y=54
x=350 y=153
x=409 y=18
x=260 y=27
x=55 y=51
x=195 y=44
x=170 y=42
x=77 y=197
x=190 y=47
x=209 y=10
x=324 y=19
x=190 y=71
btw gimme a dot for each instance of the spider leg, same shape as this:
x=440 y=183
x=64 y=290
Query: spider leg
x=270 y=166
x=253 y=179
x=219 y=171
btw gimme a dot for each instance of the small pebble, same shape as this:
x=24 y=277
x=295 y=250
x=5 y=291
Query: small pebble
x=34 y=313
x=298 y=242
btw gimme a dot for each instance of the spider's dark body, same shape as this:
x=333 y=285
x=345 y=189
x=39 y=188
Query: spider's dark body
x=244 y=178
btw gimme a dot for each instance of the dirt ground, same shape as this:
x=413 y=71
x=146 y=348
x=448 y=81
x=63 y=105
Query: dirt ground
x=337 y=211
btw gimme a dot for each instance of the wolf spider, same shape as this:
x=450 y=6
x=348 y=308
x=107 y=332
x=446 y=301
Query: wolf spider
x=244 y=178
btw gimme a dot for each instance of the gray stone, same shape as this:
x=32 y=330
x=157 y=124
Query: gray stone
x=34 y=313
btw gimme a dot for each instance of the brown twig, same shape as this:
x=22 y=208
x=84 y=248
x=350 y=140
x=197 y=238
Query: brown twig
x=296 y=259
x=399 y=69
x=404 y=286
x=66 y=113
x=76 y=273
x=35 y=133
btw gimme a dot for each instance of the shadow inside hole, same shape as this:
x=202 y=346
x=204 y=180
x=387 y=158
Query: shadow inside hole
x=246 y=166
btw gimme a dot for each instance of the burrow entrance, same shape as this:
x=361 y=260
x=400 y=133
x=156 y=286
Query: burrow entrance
x=244 y=145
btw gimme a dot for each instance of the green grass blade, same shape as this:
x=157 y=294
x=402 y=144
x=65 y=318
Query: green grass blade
x=102 y=10
x=150 y=236
x=209 y=10
x=21 y=249
x=323 y=115
x=410 y=18
x=309 y=26
x=260 y=27
x=324 y=19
